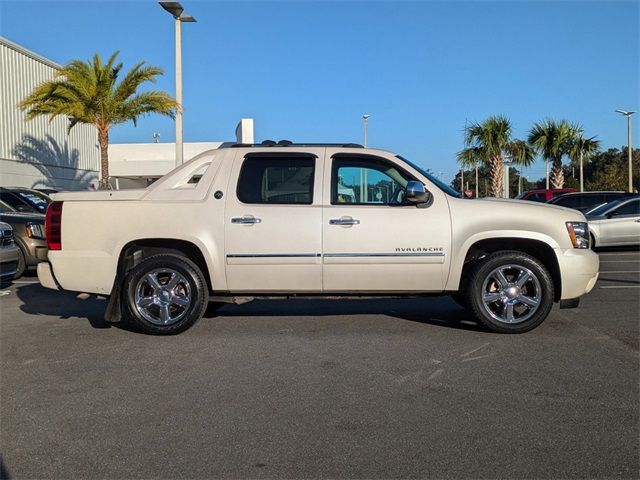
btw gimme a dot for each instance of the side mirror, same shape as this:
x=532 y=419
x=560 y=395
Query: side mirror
x=613 y=214
x=416 y=193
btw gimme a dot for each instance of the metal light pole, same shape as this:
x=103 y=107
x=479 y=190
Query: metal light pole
x=175 y=9
x=629 y=151
x=547 y=162
x=365 y=117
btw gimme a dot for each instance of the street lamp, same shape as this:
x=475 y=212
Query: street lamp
x=365 y=117
x=629 y=152
x=175 y=9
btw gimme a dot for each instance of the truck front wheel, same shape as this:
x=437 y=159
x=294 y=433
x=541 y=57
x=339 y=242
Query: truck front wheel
x=510 y=292
x=165 y=294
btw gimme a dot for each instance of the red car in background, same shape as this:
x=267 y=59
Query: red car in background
x=544 y=194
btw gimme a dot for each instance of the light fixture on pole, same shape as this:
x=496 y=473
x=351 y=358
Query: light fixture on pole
x=365 y=117
x=629 y=150
x=175 y=9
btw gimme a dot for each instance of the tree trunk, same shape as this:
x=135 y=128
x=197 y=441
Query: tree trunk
x=557 y=175
x=103 y=139
x=497 y=168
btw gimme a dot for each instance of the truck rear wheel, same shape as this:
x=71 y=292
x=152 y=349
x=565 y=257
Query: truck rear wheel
x=510 y=292
x=165 y=294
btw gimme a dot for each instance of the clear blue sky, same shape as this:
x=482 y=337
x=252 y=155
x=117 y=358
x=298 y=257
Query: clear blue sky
x=307 y=71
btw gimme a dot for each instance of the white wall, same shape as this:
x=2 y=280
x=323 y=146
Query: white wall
x=37 y=153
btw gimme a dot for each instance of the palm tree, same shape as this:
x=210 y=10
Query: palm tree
x=89 y=92
x=582 y=149
x=553 y=139
x=490 y=143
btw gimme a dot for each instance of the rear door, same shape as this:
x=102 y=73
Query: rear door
x=273 y=221
x=372 y=240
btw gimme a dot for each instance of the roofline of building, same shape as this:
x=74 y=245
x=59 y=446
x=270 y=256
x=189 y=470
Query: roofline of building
x=20 y=49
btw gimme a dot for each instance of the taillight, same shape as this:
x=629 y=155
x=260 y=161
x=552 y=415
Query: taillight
x=53 y=226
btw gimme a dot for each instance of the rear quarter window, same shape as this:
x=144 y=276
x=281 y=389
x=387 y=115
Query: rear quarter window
x=276 y=180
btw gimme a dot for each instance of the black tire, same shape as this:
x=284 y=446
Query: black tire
x=593 y=241
x=495 y=312
x=22 y=264
x=191 y=291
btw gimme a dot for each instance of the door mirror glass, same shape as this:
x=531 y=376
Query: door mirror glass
x=416 y=193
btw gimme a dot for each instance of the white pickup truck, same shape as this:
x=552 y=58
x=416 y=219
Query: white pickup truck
x=284 y=220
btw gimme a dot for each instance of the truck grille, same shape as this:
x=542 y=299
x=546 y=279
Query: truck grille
x=6 y=238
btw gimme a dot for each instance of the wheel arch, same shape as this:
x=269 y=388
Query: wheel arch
x=537 y=248
x=136 y=251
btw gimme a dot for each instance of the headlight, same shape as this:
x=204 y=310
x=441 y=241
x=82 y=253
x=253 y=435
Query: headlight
x=579 y=234
x=35 y=231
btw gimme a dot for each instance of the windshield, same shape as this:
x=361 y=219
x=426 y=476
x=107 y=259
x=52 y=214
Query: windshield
x=603 y=208
x=38 y=200
x=4 y=208
x=439 y=183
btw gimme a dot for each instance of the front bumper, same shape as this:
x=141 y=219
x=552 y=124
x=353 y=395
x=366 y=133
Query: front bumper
x=578 y=270
x=8 y=262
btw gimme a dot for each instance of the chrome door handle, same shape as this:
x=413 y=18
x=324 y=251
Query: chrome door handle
x=246 y=220
x=638 y=221
x=344 y=221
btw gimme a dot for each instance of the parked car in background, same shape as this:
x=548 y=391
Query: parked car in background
x=9 y=254
x=585 y=201
x=28 y=234
x=544 y=194
x=25 y=199
x=616 y=223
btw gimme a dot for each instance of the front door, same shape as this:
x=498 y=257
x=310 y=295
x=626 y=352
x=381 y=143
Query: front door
x=273 y=223
x=373 y=241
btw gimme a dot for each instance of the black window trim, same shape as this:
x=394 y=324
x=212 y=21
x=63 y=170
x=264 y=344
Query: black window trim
x=301 y=155
x=368 y=156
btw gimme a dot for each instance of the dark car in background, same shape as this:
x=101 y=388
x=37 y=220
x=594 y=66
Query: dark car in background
x=28 y=235
x=25 y=199
x=543 y=194
x=585 y=201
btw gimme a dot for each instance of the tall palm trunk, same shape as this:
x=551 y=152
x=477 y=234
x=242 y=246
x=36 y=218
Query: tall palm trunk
x=557 y=175
x=497 y=167
x=103 y=140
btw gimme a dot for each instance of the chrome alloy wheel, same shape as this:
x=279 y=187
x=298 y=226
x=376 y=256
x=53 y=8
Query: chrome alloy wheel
x=163 y=296
x=511 y=294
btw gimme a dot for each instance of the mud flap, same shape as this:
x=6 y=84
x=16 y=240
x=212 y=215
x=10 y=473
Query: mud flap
x=113 y=313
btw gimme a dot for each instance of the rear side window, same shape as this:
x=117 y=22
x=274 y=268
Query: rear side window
x=572 y=201
x=537 y=197
x=276 y=180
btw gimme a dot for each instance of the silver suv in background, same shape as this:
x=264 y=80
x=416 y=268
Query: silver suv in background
x=9 y=254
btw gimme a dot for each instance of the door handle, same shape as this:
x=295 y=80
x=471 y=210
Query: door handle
x=246 y=220
x=638 y=221
x=344 y=221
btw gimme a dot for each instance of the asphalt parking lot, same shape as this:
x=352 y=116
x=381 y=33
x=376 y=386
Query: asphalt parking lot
x=349 y=389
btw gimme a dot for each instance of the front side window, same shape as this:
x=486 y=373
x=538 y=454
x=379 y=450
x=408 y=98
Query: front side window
x=367 y=181
x=277 y=180
x=629 y=208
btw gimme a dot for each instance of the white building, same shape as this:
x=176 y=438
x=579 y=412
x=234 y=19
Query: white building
x=36 y=153
x=136 y=165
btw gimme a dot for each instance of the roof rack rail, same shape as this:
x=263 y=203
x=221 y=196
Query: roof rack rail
x=289 y=143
